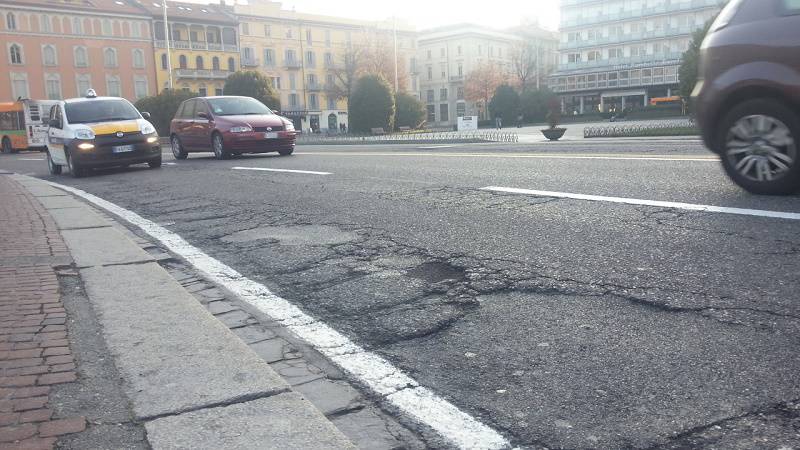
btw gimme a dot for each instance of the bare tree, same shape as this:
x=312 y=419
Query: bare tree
x=346 y=70
x=379 y=58
x=481 y=83
x=525 y=64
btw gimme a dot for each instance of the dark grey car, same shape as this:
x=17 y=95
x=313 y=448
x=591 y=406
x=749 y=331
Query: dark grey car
x=748 y=94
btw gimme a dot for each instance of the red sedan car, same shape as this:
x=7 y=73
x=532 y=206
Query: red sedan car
x=229 y=126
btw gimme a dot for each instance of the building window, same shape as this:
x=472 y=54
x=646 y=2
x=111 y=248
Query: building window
x=290 y=57
x=431 y=113
x=328 y=59
x=331 y=102
x=138 y=58
x=460 y=70
x=327 y=38
x=140 y=87
x=81 y=57
x=443 y=94
x=53 y=86
x=246 y=28
x=267 y=30
x=430 y=56
x=49 y=55
x=594 y=55
x=574 y=57
x=77 y=25
x=431 y=97
x=106 y=27
x=614 y=53
x=19 y=85
x=309 y=37
x=215 y=63
x=312 y=79
x=289 y=33
x=276 y=82
x=444 y=112
x=442 y=52
x=185 y=87
x=113 y=86
x=430 y=73
x=182 y=62
x=459 y=51
x=15 y=54
x=11 y=23
x=269 y=57
x=136 y=29
x=45 y=24
x=218 y=91
x=292 y=81
x=460 y=93
x=461 y=109
x=83 y=83
x=313 y=102
x=199 y=63
x=203 y=91
x=311 y=59
x=164 y=62
x=293 y=100
x=110 y=58
x=231 y=65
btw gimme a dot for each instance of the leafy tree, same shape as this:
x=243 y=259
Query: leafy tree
x=533 y=104
x=371 y=105
x=162 y=107
x=481 y=83
x=410 y=111
x=505 y=104
x=252 y=84
x=689 y=66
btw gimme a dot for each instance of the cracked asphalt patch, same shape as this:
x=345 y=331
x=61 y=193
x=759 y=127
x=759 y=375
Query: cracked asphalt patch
x=562 y=323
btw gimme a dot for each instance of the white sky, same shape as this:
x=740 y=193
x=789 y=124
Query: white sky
x=433 y=13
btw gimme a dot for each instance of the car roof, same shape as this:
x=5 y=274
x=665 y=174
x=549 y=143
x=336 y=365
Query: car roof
x=90 y=99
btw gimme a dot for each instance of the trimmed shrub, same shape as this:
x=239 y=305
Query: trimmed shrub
x=410 y=112
x=371 y=105
x=162 y=107
x=505 y=104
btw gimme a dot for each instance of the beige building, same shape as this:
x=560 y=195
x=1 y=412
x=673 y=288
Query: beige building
x=448 y=54
x=302 y=52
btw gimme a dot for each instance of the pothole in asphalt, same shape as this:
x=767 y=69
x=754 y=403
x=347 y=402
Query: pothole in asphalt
x=297 y=235
x=434 y=272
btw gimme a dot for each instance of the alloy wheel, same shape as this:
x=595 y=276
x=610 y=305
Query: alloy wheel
x=761 y=148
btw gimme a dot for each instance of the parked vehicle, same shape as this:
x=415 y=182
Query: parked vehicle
x=23 y=125
x=748 y=94
x=92 y=132
x=229 y=125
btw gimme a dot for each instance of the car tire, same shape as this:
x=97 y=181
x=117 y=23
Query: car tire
x=75 y=170
x=155 y=163
x=52 y=167
x=218 y=146
x=7 y=147
x=286 y=152
x=177 y=148
x=759 y=145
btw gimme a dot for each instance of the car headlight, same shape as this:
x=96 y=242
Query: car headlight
x=240 y=130
x=289 y=126
x=84 y=134
x=148 y=129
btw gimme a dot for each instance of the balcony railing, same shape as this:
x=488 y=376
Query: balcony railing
x=187 y=45
x=640 y=13
x=628 y=38
x=293 y=64
x=314 y=86
x=620 y=63
x=456 y=78
x=202 y=74
x=250 y=62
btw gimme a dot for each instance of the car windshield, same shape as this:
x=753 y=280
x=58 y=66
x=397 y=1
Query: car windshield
x=95 y=111
x=238 y=106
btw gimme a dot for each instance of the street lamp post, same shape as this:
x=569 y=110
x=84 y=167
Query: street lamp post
x=166 y=40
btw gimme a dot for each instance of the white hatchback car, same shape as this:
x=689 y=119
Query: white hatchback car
x=91 y=132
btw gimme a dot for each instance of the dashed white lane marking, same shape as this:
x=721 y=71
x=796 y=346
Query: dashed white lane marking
x=264 y=169
x=371 y=370
x=523 y=156
x=434 y=147
x=170 y=164
x=660 y=204
x=30 y=159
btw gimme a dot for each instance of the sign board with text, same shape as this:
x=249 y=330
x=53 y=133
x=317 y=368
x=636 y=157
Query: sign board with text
x=468 y=123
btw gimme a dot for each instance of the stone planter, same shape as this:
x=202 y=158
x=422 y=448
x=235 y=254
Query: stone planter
x=554 y=134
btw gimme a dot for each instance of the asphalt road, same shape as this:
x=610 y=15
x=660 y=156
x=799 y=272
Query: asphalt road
x=562 y=323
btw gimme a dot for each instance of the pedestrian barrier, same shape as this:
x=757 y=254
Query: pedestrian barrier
x=411 y=138
x=682 y=127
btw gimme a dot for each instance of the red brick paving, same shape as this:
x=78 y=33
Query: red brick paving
x=34 y=350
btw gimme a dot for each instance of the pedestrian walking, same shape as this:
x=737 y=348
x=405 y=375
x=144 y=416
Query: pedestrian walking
x=519 y=121
x=498 y=121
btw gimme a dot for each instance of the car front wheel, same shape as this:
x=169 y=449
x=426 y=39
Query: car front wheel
x=219 y=147
x=759 y=149
x=74 y=169
x=52 y=167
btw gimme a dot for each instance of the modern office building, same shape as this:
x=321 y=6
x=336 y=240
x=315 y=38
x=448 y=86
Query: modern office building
x=204 y=45
x=59 y=49
x=302 y=52
x=447 y=55
x=616 y=54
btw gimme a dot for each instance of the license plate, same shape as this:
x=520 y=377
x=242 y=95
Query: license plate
x=270 y=135
x=122 y=149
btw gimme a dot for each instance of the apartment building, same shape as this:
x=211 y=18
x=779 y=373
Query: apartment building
x=616 y=54
x=203 y=41
x=448 y=54
x=57 y=49
x=300 y=52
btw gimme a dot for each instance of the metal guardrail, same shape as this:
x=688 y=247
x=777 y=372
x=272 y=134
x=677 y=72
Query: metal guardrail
x=410 y=138
x=643 y=129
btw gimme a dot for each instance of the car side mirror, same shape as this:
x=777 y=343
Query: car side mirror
x=55 y=123
x=146 y=115
x=202 y=115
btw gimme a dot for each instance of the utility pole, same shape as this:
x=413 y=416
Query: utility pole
x=166 y=40
x=396 y=74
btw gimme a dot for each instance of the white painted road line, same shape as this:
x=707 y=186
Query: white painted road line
x=525 y=156
x=30 y=159
x=263 y=169
x=371 y=370
x=660 y=204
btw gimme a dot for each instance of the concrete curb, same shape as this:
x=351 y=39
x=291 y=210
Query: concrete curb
x=190 y=380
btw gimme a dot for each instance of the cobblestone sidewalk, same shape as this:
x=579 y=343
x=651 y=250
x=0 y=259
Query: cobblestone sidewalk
x=34 y=350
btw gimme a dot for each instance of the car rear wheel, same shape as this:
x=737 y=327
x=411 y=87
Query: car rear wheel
x=52 y=167
x=155 y=163
x=286 y=152
x=75 y=170
x=7 y=147
x=219 y=147
x=177 y=148
x=759 y=148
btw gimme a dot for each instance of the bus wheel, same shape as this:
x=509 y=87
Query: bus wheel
x=7 y=148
